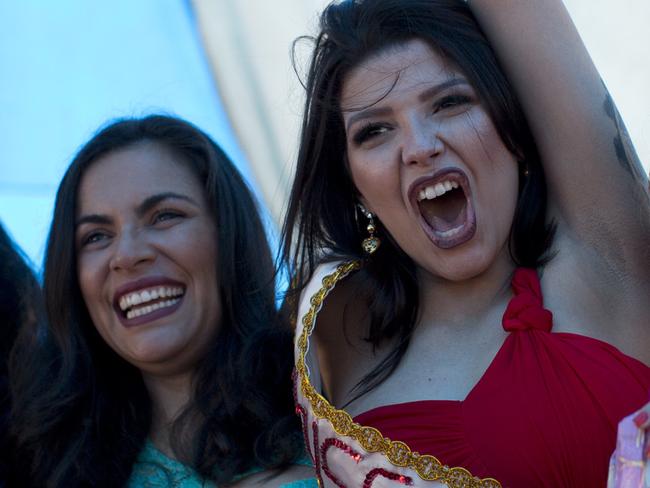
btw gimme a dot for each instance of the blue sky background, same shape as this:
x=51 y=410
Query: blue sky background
x=71 y=65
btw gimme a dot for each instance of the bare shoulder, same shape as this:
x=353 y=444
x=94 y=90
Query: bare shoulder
x=590 y=294
x=275 y=479
x=343 y=311
x=339 y=339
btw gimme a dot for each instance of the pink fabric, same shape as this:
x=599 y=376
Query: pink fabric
x=628 y=465
x=545 y=412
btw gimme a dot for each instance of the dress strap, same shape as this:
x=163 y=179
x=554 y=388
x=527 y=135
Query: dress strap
x=526 y=308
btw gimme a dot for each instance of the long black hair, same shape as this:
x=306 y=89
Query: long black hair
x=321 y=222
x=82 y=413
x=20 y=308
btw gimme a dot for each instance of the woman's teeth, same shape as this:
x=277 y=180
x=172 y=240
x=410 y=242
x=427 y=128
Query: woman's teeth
x=137 y=312
x=450 y=232
x=434 y=191
x=139 y=303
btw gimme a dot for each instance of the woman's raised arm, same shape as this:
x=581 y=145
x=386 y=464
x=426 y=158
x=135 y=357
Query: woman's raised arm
x=598 y=190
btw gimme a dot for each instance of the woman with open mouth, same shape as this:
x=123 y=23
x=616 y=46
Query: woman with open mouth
x=468 y=231
x=164 y=363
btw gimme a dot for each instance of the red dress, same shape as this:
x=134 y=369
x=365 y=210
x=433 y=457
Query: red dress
x=545 y=412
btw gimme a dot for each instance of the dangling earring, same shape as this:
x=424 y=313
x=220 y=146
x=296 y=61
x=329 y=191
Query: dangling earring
x=371 y=243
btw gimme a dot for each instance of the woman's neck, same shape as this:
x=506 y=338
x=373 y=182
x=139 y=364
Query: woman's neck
x=463 y=301
x=169 y=395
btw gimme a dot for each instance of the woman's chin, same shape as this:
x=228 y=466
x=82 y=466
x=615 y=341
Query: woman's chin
x=152 y=358
x=463 y=263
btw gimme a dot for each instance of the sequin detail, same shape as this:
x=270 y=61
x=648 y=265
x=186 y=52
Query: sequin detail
x=317 y=461
x=356 y=457
x=427 y=467
x=400 y=478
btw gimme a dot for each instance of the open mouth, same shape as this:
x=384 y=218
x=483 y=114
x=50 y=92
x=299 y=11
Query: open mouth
x=149 y=300
x=445 y=207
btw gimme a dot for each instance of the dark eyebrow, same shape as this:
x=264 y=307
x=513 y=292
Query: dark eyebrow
x=434 y=90
x=93 y=219
x=425 y=95
x=154 y=200
x=141 y=210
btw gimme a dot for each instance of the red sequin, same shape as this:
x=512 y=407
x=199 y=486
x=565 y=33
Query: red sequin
x=332 y=442
x=317 y=463
x=372 y=475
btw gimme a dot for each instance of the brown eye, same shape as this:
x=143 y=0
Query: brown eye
x=93 y=238
x=451 y=102
x=166 y=215
x=367 y=132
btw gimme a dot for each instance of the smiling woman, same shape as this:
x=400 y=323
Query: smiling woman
x=164 y=362
x=163 y=319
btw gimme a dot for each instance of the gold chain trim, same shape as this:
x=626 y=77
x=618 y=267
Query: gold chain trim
x=427 y=467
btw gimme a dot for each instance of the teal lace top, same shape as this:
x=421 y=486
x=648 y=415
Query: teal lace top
x=155 y=470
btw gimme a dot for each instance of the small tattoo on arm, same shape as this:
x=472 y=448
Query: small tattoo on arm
x=627 y=157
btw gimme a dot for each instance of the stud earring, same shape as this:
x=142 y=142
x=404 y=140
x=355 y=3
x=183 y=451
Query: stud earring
x=371 y=243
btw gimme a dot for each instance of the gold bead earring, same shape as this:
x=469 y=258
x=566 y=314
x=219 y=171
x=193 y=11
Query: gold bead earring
x=371 y=243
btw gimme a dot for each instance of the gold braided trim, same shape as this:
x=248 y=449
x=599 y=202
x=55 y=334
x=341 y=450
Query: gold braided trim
x=427 y=467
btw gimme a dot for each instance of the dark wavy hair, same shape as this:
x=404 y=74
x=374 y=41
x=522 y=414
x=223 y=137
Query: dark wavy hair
x=20 y=308
x=321 y=222
x=82 y=413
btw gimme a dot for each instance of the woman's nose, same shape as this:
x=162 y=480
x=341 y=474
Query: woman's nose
x=421 y=143
x=131 y=250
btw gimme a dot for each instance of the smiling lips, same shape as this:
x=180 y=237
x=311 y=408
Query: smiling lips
x=144 y=301
x=444 y=204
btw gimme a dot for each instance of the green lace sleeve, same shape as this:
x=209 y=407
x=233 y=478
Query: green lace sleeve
x=308 y=483
x=155 y=470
